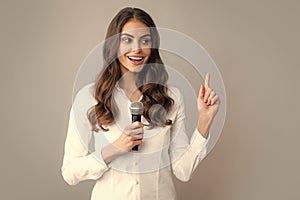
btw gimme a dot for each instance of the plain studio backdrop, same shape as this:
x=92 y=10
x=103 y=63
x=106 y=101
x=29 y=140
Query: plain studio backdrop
x=255 y=45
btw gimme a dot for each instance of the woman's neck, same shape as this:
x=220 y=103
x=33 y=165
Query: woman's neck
x=127 y=83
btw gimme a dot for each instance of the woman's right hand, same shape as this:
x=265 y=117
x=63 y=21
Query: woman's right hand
x=131 y=136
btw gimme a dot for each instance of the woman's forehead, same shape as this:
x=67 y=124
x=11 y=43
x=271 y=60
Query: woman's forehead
x=135 y=28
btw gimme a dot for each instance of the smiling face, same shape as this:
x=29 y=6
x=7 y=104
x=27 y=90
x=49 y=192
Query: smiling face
x=135 y=46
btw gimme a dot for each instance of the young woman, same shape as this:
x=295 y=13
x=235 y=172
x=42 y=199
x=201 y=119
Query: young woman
x=101 y=136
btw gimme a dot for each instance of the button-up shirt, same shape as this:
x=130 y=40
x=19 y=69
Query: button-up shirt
x=145 y=174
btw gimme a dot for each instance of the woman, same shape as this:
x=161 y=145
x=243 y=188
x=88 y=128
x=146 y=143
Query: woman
x=101 y=136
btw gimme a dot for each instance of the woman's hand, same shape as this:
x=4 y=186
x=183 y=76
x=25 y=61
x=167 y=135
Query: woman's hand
x=208 y=105
x=131 y=136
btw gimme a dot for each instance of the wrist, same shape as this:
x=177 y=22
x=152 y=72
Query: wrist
x=204 y=123
x=111 y=152
x=116 y=149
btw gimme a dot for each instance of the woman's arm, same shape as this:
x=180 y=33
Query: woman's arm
x=186 y=155
x=78 y=163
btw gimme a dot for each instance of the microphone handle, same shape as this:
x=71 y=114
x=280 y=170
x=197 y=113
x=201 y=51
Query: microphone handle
x=136 y=118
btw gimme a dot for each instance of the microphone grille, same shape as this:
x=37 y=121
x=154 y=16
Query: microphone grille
x=136 y=108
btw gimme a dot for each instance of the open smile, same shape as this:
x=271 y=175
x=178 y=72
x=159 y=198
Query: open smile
x=136 y=60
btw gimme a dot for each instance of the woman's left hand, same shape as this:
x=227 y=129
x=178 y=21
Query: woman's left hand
x=208 y=100
x=208 y=104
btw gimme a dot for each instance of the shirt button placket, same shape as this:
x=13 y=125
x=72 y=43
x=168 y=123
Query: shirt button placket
x=137 y=189
x=136 y=181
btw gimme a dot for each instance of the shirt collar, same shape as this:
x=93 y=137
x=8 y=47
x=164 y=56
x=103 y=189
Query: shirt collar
x=119 y=89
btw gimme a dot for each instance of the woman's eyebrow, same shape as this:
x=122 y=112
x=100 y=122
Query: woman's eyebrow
x=133 y=36
x=145 y=35
x=127 y=35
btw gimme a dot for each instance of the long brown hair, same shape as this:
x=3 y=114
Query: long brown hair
x=151 y=81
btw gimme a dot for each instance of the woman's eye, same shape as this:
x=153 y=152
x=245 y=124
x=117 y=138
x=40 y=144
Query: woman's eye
x=126 y=39
x=146 y=41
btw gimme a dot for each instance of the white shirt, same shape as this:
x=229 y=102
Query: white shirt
x=145 y=174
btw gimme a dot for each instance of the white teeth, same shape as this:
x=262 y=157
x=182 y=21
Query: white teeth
x=135 y=58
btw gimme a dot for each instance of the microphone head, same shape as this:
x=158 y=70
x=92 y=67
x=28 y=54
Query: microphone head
x=136 y=108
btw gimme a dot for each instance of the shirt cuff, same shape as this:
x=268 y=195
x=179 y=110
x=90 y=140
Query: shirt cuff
x=199 y=143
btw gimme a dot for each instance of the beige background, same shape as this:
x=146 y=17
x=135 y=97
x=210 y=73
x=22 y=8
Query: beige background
x=255 y=44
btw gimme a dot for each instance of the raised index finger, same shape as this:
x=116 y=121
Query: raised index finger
x=207 y=78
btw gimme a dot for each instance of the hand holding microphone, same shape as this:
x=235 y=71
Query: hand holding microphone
x=133 y=134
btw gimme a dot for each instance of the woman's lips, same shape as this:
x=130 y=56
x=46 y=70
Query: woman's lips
x=136 y=60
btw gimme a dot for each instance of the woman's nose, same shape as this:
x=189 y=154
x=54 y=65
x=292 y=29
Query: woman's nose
x=136 y=46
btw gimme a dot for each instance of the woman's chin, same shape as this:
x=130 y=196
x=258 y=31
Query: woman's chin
x=137 y=69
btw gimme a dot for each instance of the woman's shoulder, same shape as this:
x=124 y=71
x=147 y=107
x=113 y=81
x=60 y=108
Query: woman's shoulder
x=85 y=96
x=86 y=89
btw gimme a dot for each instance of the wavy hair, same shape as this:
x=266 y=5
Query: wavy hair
x=151 y=81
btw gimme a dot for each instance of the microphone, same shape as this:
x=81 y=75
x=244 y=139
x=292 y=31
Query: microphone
x=136 y=109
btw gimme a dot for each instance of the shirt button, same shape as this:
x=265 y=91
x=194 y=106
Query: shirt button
x=135 y=163
x=137 y=182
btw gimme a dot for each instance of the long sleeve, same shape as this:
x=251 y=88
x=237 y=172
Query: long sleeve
x=185 y=154
x=79 y=163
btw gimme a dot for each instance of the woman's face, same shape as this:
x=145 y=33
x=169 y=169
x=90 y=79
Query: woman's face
x=135 y=46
